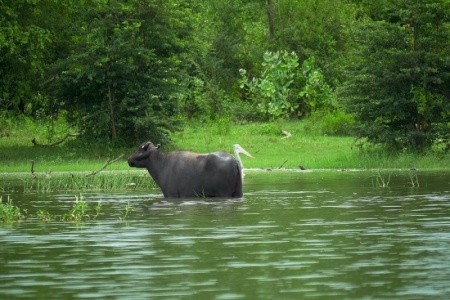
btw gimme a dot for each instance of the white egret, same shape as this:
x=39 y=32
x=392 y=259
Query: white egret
x=238 y=149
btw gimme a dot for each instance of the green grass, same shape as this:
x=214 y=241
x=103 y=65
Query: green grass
x=9 y=213
x=17 y=151
x=76 y=181
x=264 y=141
x=304 y=148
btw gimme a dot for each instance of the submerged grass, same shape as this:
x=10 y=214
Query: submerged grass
x=76 y=182
x=127 y=211
x=381 y=180
x=81 y=211
x=10 y=213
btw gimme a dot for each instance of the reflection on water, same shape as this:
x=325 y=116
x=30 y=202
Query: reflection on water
x=294 y=235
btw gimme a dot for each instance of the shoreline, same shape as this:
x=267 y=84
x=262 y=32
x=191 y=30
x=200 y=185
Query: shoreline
x=247 y=170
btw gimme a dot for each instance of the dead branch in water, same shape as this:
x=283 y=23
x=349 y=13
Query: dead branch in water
x=33 y=172
x=32 y=169
x=110 y=161
x=283 y=164
x=65 y=137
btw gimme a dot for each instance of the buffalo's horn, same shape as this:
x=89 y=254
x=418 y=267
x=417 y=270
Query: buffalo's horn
x=145 y=146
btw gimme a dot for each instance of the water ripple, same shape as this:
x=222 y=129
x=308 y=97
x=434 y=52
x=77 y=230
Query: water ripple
x=336 y=238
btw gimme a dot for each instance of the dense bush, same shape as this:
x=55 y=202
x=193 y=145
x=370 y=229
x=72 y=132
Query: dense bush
x=284 y=88
x=398 y=77
x=338 y=123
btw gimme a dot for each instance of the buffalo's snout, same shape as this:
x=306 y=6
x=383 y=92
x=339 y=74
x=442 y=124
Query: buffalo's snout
x=138 y=160
x=141 y=158
x=131 y=162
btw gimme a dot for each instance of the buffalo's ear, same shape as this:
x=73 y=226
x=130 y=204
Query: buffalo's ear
x=158 y=146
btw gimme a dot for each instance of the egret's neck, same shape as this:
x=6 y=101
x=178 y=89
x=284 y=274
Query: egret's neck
x=236 y=154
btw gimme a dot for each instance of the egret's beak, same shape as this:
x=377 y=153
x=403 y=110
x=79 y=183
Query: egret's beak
x=243 y=151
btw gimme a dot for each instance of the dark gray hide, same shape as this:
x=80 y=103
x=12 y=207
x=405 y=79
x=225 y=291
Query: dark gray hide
x=188 y=174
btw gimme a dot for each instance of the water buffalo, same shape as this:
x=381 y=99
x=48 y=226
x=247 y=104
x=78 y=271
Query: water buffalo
x=188 y=174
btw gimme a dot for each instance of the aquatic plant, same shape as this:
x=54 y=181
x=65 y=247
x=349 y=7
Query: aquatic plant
x=97 y=209
x=79 y=211
x=45 y=216
x=414 y=179
x=128 y=210
x=79 y=182
x=381 y=180
x=9 y=213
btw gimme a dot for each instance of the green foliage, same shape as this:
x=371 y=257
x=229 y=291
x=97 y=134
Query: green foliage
x=79 y=211
x=398 y=79
x=44 y=215
x=272 y=90
x=236 y=33
x=126 y=212
x=200 y=99
x=81 y=182
x=314 y=28
x=118 y=83
x=192 y=100
x=226 y=35
x=337 y=123
x=33 y=35
x=283 y=89
x=123 y=72
x=9 y=213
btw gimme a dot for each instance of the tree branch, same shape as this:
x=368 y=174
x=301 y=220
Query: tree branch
x=65 y=137
x=283 y=164
x=110 y=161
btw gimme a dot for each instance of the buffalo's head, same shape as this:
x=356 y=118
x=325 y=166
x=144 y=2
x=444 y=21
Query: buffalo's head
x=140 y=158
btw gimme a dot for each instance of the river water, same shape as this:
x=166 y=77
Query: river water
x=295 y=235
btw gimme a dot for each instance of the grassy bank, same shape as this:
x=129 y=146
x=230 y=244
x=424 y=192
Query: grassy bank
x=271 y=149
x=305 y=147
x=17 y=150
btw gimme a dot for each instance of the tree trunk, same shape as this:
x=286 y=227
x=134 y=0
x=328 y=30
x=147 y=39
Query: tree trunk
x=111 y=112
x=270 y=15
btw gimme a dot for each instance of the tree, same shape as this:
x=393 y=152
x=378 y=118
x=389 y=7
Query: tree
x=398 y=79
x=313 y=28
x=118 y=83
x=270 y=21
x=24 y=42
x=227 y=36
